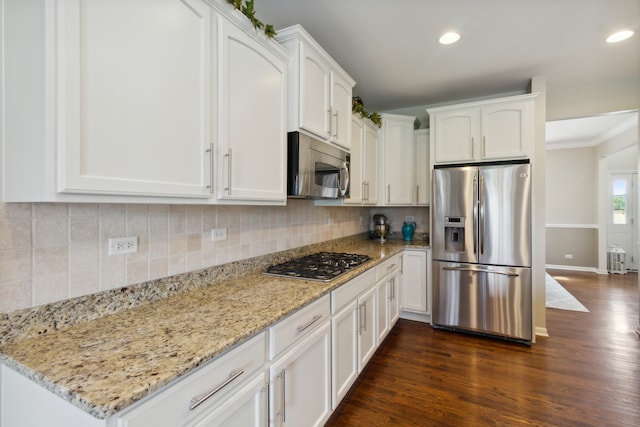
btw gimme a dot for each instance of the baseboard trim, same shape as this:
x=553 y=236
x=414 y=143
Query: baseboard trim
x=541 y=332
x=575 y=268
x=418 y=317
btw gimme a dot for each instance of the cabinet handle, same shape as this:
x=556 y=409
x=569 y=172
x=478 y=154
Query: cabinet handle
x=199 y=400
x=228 y=156
x=367 y=199
x=388 y=193
x=330 y=121
x=484 y=146
x=365 y=315
x=360 y=319
x=390 y=267
x=282 y=411
x=210 y=151
x=301 y=328
x=417 y=194
x=335 y=135
x=392 y=288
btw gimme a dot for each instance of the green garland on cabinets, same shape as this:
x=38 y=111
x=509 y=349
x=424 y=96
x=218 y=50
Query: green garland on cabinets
x=249 y=11
x=357 y=107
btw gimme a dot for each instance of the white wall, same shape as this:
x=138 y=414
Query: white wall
x=583 y=99
x=572 y=183
x=625 y=160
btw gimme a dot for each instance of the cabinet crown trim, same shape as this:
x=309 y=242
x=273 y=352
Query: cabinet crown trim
x=297 y=32
x=527 y=97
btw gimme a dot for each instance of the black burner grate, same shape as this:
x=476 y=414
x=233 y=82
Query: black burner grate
x=321 y=266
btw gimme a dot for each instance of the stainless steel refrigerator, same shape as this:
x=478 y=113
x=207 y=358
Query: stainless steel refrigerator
x=481 y=242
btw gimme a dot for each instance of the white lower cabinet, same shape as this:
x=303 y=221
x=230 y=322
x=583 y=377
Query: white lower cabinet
x=246 y=408
x=353 y=327
x=388 y=287
x=300 y=371
x=367 y=342
x=301 y=382
x=415 y=283
x=206 y=391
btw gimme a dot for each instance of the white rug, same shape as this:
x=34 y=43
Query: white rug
x=558 y=297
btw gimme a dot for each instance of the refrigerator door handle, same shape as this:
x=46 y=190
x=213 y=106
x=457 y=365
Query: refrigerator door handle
x=481 y=214
x=475 y=212
x=481 y=270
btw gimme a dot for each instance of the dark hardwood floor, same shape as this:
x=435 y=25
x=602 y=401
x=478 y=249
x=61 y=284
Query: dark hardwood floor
x=586 y=373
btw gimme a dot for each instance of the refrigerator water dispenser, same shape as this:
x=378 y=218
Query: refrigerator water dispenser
x=454 y=234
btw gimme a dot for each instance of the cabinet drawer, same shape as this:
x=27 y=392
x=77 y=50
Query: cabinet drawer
x=298 y=325
x=388 y=267
x=350 y=290
x=171 y=406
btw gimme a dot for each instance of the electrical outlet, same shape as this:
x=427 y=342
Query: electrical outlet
x=568 y=256
x=409 y=218
x=123 y=245
x=219 y=234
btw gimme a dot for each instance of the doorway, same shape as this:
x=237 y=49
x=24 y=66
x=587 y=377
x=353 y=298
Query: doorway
x=622 y=224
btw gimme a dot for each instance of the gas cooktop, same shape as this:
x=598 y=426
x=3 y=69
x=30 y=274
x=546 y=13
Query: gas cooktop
x=321 y=266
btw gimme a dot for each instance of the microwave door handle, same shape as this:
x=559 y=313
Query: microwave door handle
x=343 y=179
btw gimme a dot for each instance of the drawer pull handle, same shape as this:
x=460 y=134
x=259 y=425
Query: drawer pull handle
x=199 y=400
x=392 y=266
x=301 y=328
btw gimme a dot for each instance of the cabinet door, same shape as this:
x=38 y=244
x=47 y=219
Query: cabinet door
x=382 y=314
x=344 y=351
x=455 y=135
x=367 y=317
x=341 y=91
x=301 y=382
x=414 y=281
x=399 y=162
x=246 y=408
x=315 y=80
x=505 y=130
x=370 y=167
x=134 y=97
x=395 y=297
x=423 y=183
x=357 y=188
x=252 y=120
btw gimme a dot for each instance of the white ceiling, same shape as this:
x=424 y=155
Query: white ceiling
x=390 y=47
x=587 y=131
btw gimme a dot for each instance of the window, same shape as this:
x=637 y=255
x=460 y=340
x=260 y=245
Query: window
x=619 y=201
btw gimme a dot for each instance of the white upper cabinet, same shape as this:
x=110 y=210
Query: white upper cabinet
x=251 y=153
x=117 y=100
x=357 y=185
x=131 y=101
x=363 y=188
x=314 y=85
x=499 y=129
x=423 y=174
x=397 y=166
x=341 y=91
x=370 y=163
x=319 y=89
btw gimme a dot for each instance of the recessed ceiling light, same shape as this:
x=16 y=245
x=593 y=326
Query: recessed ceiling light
x=448 y=38
x=619 y=36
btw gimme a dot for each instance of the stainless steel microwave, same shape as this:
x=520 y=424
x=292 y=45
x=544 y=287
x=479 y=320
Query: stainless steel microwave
x=316 y=169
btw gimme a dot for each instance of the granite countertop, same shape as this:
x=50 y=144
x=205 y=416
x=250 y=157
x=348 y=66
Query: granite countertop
x=107 y=364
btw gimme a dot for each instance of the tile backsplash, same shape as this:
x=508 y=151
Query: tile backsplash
x=51 y=252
